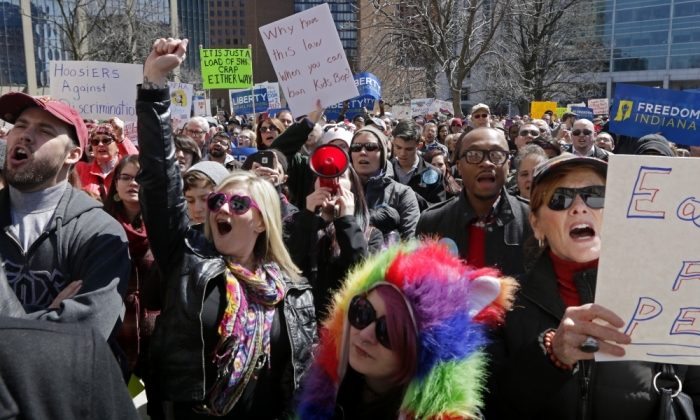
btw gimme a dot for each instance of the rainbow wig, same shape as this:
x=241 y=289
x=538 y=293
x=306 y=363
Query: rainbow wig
x=452 y=304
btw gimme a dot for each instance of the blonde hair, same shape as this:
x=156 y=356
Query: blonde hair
x=269 y=244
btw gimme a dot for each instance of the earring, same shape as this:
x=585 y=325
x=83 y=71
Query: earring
x=117 y=198
x=541 y=242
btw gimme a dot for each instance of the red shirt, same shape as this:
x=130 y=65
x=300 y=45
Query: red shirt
x=565 y=271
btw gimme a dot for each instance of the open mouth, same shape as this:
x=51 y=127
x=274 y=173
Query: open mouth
x=20 y=154
x=133 y=191
x=582 y=232
x=486 y=179
x=223 y=227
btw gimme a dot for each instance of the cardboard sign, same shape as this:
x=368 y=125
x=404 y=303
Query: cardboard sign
x=401 y=112
x=583 y=113
x=309 y=59
x=639 y=110
x=421 y=106
x=537 y=109
x=180 y=98
x=95 y=89
x=226 y=69
x=599 y=106
x=242 y=101
x=649 y=271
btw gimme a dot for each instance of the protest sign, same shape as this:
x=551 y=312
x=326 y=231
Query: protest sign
x=368 y=85
x=242 y=101
x=441 y=107
x=273 y=94
x=568 y=106
x=537 y=109
x=199 y=106
x=241 y=153
x=421 y=106
x=639 y=110
x=226 y=68
x=370 y=90
x=599 y=106
x=95 y=89
x=131 y=132
x=649 y=271
x=309 y=59
x=180 y=99
x=560 y=112
x=583 y=112
x=401 y=112
x=273 y=112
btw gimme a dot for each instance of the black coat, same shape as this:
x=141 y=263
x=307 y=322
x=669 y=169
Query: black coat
x=504 y=239
x=427 y=193
x=187 y=262
x=59 y=371
x=305 y=246
x=525 y=384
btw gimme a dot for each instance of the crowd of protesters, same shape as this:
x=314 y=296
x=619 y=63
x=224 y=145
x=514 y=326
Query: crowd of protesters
x=446 y=270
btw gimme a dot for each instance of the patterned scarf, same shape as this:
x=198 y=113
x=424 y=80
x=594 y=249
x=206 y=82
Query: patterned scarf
x=244 y=330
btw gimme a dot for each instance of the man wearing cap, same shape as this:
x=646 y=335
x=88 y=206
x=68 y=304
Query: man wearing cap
x=456 y=126
x=480 y=115
x=66 y=260
x=487 y=225
x=412 y=170
x=567 y=121
x=583 y=137
x=219 y=152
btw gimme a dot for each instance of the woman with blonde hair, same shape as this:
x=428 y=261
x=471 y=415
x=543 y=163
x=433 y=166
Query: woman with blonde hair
x=238 y=326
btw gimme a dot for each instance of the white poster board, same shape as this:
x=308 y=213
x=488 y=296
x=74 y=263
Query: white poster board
x=599 y=106
x=200 y=107
x=309 y=59
x=649 y=271
x=131 y=131
x=442 y=107
x=421 y=106
x=273 y=94
x=95 y=89
x=180 y=99
x=401 y=112
x=568 y=106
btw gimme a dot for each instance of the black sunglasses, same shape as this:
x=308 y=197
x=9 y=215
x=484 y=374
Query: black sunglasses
x=370 y=147
x=563 y=198
x=361 y=314
x=586 y=132
x=532 y=133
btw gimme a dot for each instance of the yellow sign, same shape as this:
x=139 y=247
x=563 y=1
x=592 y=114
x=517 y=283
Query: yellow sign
x=624 y=110
x=537 y=109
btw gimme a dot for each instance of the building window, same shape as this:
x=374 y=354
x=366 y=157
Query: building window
x=243 y=32
x=465 y=93
x=227 y=22
x=235 y=41
x=242 y=3
x=212 y=23
x=234 y=22
x=213 y=41
x=226 y=4
x=235 y=32
x=242 y=22
x=221 y=24
x=242 y=13
x=211 y=4
x=213 y=32
x=228 y=32
x=234 y=13
x=212 y=13
x=218 y=4
x=228 y=42
x=218 y=13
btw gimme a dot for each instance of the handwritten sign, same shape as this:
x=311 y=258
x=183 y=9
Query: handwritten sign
x=421 y=106
x=273 y=93
x=227 y=68
x=401 y=112
x=242 y=101
x=537 y=109
x=131 y=132
x=180 y=99
x=97 y=90
x=309 y=59
x=649 y=272
x=599 y=106
x=442 y=107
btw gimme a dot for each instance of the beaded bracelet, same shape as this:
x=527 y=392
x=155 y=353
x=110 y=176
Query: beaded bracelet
x=547 y=340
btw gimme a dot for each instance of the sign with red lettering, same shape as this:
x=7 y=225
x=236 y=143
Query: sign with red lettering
x=649 y=271
x=309 y=59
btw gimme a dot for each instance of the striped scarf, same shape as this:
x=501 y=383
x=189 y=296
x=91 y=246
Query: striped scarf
x=244 y=331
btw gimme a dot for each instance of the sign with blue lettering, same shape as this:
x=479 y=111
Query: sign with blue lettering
x=242 y=101
x=368 y=85
x=649 y=270
x=583 y=112
x=639 y=110
x=241 y=153
x=370 y=89
x=273 y=112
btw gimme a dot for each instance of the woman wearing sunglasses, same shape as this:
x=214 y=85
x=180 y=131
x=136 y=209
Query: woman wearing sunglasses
x=108 y=146
x=543 y=358
x=331 y=235
x=267 y=131
x=237 y=327
x=405 y=339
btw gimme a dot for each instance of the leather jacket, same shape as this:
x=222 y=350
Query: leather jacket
x=187 y=262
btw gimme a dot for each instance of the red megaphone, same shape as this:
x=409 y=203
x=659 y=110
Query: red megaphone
x=329 y=162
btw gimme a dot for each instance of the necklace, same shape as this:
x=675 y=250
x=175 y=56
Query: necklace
x=370 y=390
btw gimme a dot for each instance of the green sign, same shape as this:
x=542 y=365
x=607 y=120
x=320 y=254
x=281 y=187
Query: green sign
x=227 y=69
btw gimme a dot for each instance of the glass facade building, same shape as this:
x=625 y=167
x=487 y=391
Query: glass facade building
x=13 y=71
x=345 y=17
x=194 y=25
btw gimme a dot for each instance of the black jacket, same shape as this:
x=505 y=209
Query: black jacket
x=429 y=189
x=504 y=239
x=305 y=246
x=300 y=177
x=381 y=190
x=525 y=384
x=52 y=371
x=187 y=262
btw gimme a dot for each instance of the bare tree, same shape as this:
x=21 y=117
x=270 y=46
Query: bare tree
x=415 y=41
x=548 y=52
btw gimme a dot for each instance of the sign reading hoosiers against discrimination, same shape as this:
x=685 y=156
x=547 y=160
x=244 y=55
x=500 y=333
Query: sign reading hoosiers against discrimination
x=227 y=69
x=639 y=110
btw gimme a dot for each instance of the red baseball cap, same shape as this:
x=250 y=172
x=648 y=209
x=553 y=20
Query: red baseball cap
x=14 y=103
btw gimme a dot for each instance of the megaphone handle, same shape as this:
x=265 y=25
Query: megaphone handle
x=336 y=210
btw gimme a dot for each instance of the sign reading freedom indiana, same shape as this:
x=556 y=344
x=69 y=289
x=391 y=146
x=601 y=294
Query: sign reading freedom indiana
x=639 y=110
x=227 y=69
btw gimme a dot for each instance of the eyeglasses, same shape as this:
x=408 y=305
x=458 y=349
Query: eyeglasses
x=126 y=178
x=586 y=132
x=222 y=142
x=361 y=314
x=475 y=157
x=563 y=198
x=243 y=138
x=526 y=133
x=196 y=133
x=97 y=142
x=480 y=116
x=239 y=204
x=270 y=128
x=369 y=147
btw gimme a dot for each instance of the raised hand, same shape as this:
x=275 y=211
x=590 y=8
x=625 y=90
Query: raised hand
x=166 y=55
